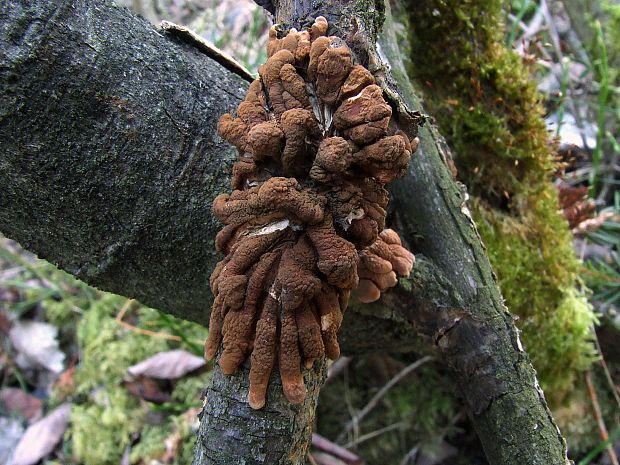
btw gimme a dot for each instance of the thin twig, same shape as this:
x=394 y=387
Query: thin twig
x=129 y=326
x=337 y=367
x=410 y=455
x=599 y=418
x=534 y=25
x=349 y=404
x=312 y=460
x=445 y=430
x=382 y=392
x=373 y=434
x=325 y=445
x=610 y=380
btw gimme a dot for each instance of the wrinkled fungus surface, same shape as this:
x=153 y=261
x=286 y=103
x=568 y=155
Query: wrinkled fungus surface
x=305 y=223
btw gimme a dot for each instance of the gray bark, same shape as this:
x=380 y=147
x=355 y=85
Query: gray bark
x=232 y=433
x=109 y=165
x=473 y=329
x=110 y=159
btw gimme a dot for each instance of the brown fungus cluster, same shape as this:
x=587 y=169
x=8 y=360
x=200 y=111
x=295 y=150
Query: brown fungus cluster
x=305 y=224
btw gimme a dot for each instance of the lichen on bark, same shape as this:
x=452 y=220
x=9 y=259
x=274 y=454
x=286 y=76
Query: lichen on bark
x=488 y=110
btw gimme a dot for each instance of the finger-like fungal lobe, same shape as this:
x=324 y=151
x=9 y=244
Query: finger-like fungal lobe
x=380 y=265
x=305 y=222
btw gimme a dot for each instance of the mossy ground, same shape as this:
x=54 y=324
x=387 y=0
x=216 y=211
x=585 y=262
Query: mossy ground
x=484 y=103
x=107 y=420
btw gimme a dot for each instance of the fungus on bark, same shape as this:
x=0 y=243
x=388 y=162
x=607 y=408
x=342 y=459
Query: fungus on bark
x=305 y=223
x=380 y=264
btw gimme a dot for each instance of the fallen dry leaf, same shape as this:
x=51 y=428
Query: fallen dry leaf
x=167 y=365
x=65 y=384
x=11 y=430
x=575 y=204
x=147 y=389
x=593 y=224
x=37 y=345
x=41 y=438
x=18 y=401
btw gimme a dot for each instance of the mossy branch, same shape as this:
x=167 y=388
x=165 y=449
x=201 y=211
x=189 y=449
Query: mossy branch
x=489 y=110
x=109 y=166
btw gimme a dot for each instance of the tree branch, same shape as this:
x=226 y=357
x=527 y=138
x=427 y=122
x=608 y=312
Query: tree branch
x=231 y=431
x=110 y=157
x=110 y=163
x=472 y=328
x=477 y=336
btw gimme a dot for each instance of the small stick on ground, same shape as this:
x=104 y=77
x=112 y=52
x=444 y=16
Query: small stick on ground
x=599 y=418
x=382 y=392
x=325 y=445
x=135 y=329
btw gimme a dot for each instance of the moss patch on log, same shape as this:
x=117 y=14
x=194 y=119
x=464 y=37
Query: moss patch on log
x=480 y=95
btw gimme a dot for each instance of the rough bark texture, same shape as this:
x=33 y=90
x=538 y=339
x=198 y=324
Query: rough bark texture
x=109 y=165
x=110 y=157
x=222 y=441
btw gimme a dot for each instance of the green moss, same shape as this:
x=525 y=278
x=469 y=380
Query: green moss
x=173 y=440
x=372 y=14
x=60 y=313
x=405 y=284
x=102 y=428
x=108 y=349
x=152 y=443
x=103 y=425
x=106 y=418
x=557 y=336
x=425 y=404
x=488 y=109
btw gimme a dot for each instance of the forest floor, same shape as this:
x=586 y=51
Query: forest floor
x=88 y=377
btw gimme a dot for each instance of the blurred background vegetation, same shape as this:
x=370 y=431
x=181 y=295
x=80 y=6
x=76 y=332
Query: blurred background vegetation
x=527 y=94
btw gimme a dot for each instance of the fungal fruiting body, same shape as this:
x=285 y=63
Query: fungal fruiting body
x=305 y=223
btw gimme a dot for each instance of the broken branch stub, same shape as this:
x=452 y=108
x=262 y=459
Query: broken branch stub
x=305 y=223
